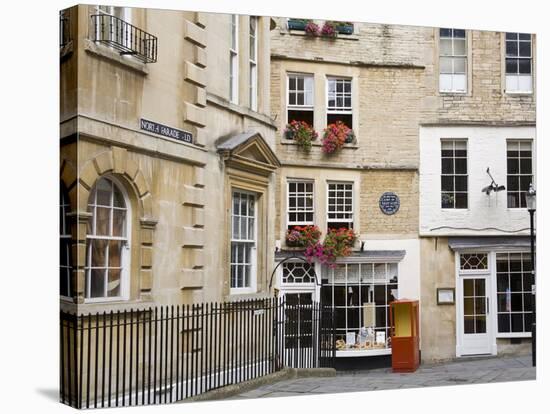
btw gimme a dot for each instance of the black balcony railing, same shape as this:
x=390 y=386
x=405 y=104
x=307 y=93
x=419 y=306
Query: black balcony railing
x=124 y=37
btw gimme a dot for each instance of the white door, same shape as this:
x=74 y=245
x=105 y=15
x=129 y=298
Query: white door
x=474 y=324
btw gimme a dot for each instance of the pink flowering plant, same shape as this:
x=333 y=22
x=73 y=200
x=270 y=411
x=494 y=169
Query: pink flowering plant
x=335 y=136
x=303 y=236
x=302 y=133
x=312 y=29
x=337 y=243
x=329 y=30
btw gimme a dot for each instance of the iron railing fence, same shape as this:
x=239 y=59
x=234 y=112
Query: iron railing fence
x=126 y=38
x=170 y=353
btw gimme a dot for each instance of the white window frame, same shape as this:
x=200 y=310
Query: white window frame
x=521 y=143
x=65 y=234
x=509 y=79
x=454 y=56
x=234 y=60
x=125 y=251
x=454 y=174
x=296 y=209
x=309 y=80
x=250 y=244
x=341 y=220
x=525 y=333
x=344 y=109
x=329 y=272
x=253 y=63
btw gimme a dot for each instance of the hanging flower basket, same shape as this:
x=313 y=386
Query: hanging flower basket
x=303 y=236
x=302 y=133
x=337 y=243
x=335 y=136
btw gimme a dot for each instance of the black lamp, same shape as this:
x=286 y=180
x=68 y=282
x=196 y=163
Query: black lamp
x=531 y=201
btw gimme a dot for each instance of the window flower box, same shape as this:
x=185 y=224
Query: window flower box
x=335 y=136
x=297 y=24
x=337 y=243
x=302 y=133
x=303 y=236
x=329 y=30
x=344 y=27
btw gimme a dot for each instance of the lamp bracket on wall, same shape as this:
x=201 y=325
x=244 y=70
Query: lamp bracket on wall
x=493 y=186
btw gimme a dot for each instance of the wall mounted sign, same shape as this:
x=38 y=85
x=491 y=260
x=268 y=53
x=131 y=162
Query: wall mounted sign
x=445 y=296
x=165 y=131
x=389 y=203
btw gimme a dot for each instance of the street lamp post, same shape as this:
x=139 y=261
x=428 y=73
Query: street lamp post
x=531 y=201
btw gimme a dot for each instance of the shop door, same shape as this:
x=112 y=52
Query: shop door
x=475 y=333
x=299 y=328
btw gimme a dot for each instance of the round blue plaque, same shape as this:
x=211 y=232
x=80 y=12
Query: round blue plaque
x=389 y=203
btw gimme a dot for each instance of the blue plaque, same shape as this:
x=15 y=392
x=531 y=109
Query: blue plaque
x=389 y=203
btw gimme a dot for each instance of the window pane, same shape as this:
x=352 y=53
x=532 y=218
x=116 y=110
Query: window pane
x=115 y=253
x=504 y=323
x=461 y=166
x=525 y=49
x=447 y=183
x=103 y=221
x=525 y=83
x=446 y=65
x=461 y=183
x=444 y=32
x=460 y=33
x=103 y=191
x=524 y=36
x=97 y=283
x=511 y=48
x=459 y=47
x=99 y=253
x=511 y=65
x=525 y=66
x=445 y=46
x=461 y=200
x=511 y=36
x=459 y=65
x=445 y=82
x=119 y=221
x=513 y=165
x=459 y=83
x=113 y=286
x=447 y=166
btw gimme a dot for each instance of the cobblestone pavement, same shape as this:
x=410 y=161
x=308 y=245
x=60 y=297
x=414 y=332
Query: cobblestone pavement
x=465 y=371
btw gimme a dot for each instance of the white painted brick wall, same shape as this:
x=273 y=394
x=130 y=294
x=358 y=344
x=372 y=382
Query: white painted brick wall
x=486 y=148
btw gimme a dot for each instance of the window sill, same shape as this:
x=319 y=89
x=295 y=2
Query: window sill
x=114 y=306
x=303 y=33
x=317 y=144
x=105 y=52
x=453 y=93
x=519 y=93
x=509 y=335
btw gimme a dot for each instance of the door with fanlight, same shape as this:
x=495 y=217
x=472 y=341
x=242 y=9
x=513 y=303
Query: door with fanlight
x=475 y=331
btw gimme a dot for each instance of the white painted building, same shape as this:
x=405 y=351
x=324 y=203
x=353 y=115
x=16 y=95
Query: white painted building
x=486 y=231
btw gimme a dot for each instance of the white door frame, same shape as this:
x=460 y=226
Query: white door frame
x=490 y=348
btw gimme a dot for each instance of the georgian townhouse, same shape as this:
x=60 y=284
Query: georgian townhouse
x=477 y=160
x=167 y=157
x=369 y=77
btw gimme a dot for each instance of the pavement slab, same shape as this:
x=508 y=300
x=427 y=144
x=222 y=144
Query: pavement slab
x=456 y=372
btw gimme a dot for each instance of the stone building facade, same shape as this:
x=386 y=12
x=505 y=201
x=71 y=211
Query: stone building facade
x=160 y=137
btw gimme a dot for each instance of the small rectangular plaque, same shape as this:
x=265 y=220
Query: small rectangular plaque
x=165 y=131
x=445 y=296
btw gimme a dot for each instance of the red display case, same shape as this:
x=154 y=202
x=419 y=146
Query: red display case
x=405 y=340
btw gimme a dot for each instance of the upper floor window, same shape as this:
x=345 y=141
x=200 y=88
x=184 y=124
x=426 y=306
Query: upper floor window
x=253 y=58
x=454 y=174
x=243 y=241
x=519 y=172
x=300 y=203
x=107 y=242
x=65 y=259
x=452 y=60
x=340 y=205
x=234 y=60
x=518 y=62
x=339 y=105
x=300 y=98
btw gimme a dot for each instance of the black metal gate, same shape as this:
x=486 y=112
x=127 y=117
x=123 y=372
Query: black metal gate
x=307 y=329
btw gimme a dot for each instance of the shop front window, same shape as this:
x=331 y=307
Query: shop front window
x=514 y=293
x=360 y=294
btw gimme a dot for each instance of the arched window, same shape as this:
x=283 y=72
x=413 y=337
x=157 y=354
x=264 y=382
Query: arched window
x=65 y=259
x=107 y=242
